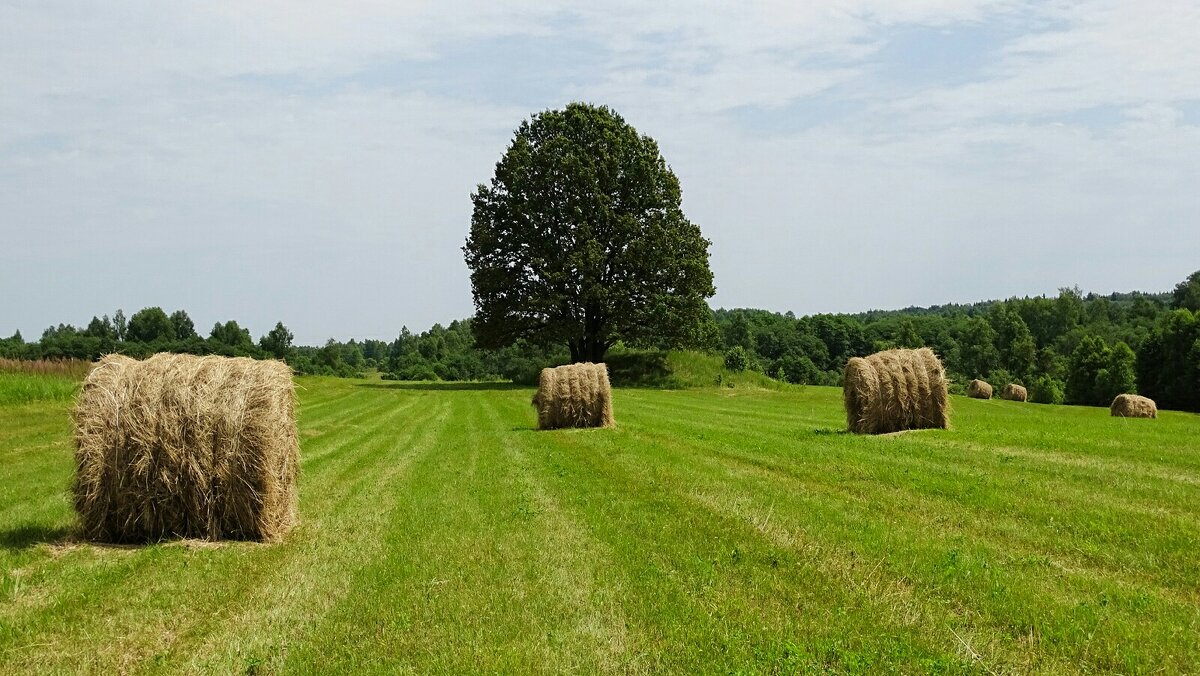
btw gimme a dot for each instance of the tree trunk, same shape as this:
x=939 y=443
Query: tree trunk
x=592 y=345
x=596 y=351
x=587 y=348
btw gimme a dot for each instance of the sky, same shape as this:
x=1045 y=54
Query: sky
x=312 y=163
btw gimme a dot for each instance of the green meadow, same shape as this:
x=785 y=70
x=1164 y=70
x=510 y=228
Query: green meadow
x=717 y=530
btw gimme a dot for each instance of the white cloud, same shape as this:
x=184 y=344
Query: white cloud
x=1096 y=54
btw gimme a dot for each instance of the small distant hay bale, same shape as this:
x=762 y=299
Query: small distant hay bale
x=1014 y=392
x=186 y=446
x=576 y=395
x=1133 y=406
x=896 y=390
x=979 y=389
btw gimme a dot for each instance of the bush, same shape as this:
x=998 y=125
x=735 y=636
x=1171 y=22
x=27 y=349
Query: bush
x=520 y=370
x=416 y=371
x=1046 y=390
x=643 y=368
x=830 y=378
x=998 y=378
x=679 y=369
x=737 y=359
x=798 y=369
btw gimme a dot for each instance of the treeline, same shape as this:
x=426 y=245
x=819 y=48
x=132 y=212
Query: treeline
x=1068 y=349
x=1071 y=348
x=441 y=353
x=151 y=330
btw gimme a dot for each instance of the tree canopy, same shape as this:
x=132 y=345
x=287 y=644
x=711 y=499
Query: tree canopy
x=1187 y=293
x=231 y=335
x=277 y=342
x=185 y=328
x=1086 y=348
x=580 y=239
x=149 y=325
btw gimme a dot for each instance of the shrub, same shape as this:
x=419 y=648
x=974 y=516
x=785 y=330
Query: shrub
x=737 y=359
x=1001 y=377
x=416 y=371
x=1046 y=390
x=798 y=369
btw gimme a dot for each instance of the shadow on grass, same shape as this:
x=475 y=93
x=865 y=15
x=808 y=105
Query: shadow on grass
x=444 y=387
x=828 y=431
x=23 y=537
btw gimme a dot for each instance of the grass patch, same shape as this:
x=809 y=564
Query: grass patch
x=705 y=533
x=24 y=388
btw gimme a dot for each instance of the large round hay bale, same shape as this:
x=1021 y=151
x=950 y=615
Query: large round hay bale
x=896 y=390
x=1014 y=392
x=576 y=395
x=979 y=389
x=186 y=446
x=1133 y=406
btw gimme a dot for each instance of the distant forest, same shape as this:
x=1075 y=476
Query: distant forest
x=1073 y=348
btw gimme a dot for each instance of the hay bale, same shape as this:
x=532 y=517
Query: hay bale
x=979 y=389
x=1014 y=392
x=576 y=395
x=896 y=390
x=1133 y=406
x=186 y=446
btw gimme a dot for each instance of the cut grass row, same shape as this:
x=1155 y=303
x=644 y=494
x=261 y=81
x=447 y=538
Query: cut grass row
x=714 y=530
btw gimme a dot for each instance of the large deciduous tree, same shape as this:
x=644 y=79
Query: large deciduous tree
x=185 y=328
x=278 y=341
x=149 y=325
x=231 y=335
x=580 y=239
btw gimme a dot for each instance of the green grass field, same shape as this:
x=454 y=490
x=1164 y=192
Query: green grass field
x=717 y=530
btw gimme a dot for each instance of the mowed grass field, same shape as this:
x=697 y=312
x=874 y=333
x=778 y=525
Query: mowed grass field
x=713 y=531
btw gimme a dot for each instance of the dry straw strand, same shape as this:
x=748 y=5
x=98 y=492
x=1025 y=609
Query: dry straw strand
x=1133 y=406
x=576 y=395
x=979 y=389
x=896 y=390
x=542 y=400
x=1014 y=392
x=186 y=446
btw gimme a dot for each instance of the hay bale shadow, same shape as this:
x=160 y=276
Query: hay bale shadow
x=30 y=535
x=829 y=431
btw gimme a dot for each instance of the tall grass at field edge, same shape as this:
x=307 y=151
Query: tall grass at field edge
x=21 y=388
